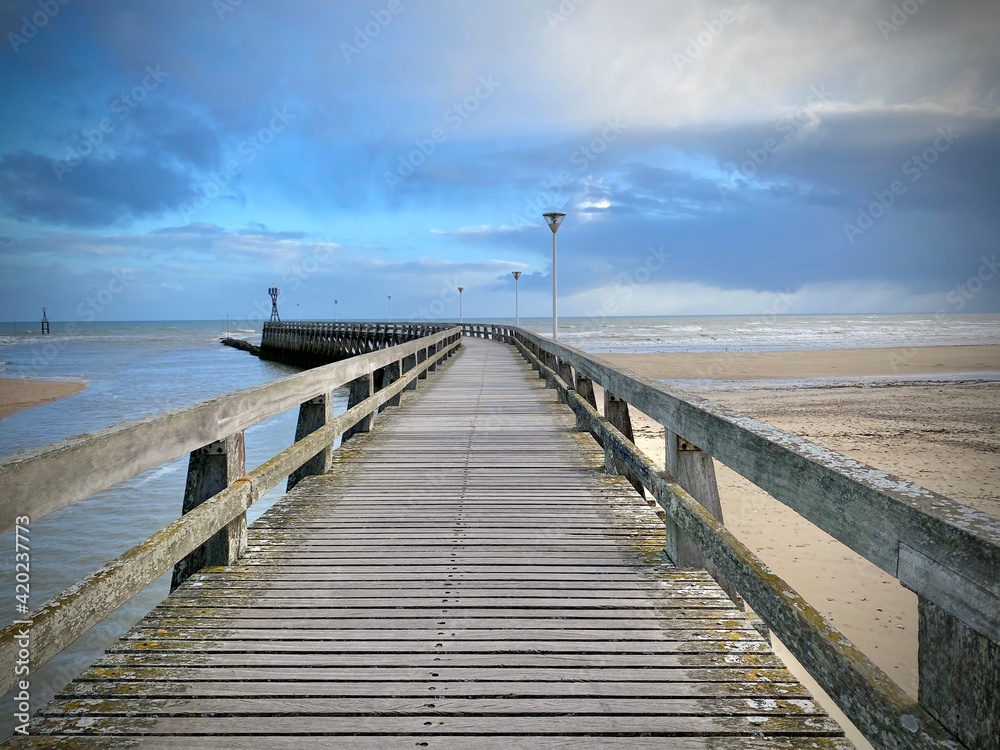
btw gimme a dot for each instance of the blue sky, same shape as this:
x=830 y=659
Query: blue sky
x=171 y=160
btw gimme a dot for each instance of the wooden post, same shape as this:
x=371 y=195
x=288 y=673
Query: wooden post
x=312 y=415
x=616 y=412
x=421 y=358
x=408 y=364
x=361 y=389
x=211 y=469
x=959 y=671
x=392 y=373
x=694 y=471
x=585 y=387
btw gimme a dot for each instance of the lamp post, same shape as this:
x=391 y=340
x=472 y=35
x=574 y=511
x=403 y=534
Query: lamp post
x=554 y=219
x=336 y=312
x=461 y=317
x=390 y=306
x=517 y=308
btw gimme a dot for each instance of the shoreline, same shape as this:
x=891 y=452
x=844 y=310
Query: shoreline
x=21 y=393
x=805 y=364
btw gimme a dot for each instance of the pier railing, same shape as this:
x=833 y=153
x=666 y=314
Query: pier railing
x=948 y=553
x=218 y=491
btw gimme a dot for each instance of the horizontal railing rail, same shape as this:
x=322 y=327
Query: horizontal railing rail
x=947 y=553
x=207 y=431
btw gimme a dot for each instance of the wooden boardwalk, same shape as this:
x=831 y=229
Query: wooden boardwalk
x=466 y=577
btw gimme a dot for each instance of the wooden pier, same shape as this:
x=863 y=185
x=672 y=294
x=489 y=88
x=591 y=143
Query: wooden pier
x=473 y=569
x=316 y=344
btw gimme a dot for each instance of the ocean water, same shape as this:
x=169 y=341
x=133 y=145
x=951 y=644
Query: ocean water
x=135 y=369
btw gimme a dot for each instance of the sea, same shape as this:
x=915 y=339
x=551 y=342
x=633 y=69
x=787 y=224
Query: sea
x=134 y=369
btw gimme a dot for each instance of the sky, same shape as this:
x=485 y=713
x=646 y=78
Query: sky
x=169 y=161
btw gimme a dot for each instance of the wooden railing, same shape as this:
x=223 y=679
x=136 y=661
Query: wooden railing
x=947 y=553
x=314 y=344
x=212 y=530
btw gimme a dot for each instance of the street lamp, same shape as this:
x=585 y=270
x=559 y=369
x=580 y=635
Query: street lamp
x=517 y=309
x=554 y=219
x=390 y=306
x=461 y=318
x=336 y=312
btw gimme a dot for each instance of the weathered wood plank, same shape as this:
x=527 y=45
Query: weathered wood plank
x=450 y=742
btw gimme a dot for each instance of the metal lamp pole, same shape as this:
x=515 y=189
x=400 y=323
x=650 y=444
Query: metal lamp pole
x=390 y=306
x=554 y=219
x=336 y=311
x=461 y=317
x=517 y=306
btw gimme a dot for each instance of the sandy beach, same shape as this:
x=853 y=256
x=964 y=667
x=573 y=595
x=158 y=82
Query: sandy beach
x=831 y=363
x=942 y=435
x=22 y=394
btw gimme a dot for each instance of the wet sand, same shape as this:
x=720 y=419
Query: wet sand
x=22 y=394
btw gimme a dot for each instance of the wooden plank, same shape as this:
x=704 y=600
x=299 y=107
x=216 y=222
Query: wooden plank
x=475 y=686
x=605 y=706
x=451 y=742
x=431 y=724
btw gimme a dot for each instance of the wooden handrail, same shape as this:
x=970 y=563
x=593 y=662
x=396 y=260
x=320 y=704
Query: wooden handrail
x=939 y=548
x=37 y=482
x=63 y=619
x=869 y=697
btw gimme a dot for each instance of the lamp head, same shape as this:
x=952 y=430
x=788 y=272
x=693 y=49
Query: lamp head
x=554 y=219
x=461 y=289
x=516 y=275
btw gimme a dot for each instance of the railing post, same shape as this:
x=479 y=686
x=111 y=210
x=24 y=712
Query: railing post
x=616 y=412
x=406 y=365
x=694 y=471
x=391 y=375
x=361 y=389
x=585 y=387
x=313 y=415
x=421 y=358
x=211 y=469
x=432 y=355
x=959 y=676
